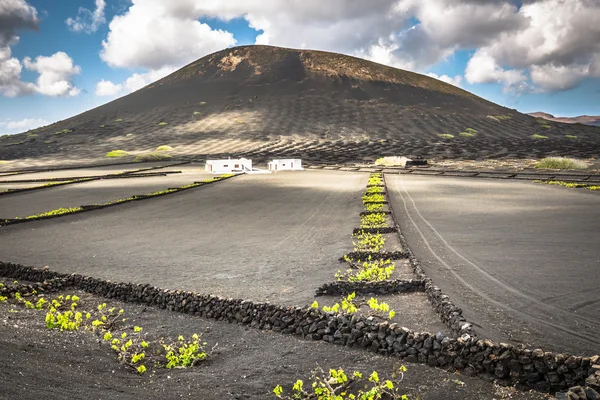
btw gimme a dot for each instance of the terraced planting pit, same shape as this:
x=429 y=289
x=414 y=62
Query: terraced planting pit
x=94 y=192
x=270 y=237
x=81 y=172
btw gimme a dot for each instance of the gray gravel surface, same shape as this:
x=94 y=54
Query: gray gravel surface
x=94 y=192
x=522 y=259
x=270 y=237
x=245 y=364
x=90 y=171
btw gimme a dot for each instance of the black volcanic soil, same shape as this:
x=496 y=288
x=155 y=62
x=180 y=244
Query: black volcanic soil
x=246 y=363
x=264 y=102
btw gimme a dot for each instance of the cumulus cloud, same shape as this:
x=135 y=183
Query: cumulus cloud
x=138 y=81
x=108 y=88
x=9 y=126
x=133 y=83
x=445 y=78
x=88 y=21
x=540 y=45
x=153 y=34
x=14 y=15
x=559 y=47
x=56 y=74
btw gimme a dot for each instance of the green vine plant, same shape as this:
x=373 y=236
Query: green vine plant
x=374 y=207
x=571 y=184
x=376 y=220
x=348 y=305
x=53 y=213
x=373 y=198
x=368 y=242
x=375 y=190
x=133 y=349
x=367 y=271
x=337 y=385
x=71 y=210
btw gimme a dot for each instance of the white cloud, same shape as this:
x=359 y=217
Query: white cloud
x=138 y=81
x=539 y=45
x=9 y=126
x=88 y=21
x=14 y=15
x=133 y=83
x=107 y=88
x=559 y=47
x=153 y=34
x=445 y=78
x=56 y=74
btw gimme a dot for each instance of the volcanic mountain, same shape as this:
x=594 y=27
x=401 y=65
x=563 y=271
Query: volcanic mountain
x=593 y=120
x=263 y=102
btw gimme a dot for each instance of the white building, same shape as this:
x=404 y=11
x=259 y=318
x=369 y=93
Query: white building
x=288 y=164
x=228 y=166
x=233 y=165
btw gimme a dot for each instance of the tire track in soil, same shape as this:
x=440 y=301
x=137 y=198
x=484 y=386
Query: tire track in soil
x=480 y=293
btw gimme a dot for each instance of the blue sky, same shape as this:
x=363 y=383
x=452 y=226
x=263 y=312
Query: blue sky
x=408 y=38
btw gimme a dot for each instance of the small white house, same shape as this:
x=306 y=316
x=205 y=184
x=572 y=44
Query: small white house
x=288 y=164
x=230 y=165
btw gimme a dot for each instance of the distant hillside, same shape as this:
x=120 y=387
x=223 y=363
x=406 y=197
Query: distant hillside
x=582 y=119
x=264 y=101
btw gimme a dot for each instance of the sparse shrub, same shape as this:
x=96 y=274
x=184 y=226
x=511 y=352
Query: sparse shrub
x=373 y=198
x=184 y=354
x=546 y=126
x=570 y=136
x=560 y=163
x=446 y=136
x=63 y=131
x=349 y=306
x=368 y=271
x=499 y=118
x=368 y=242
x=571 y=184
x=196 y=112
x=117 y=153
x=119 y=120
x=155 y=156
x=375 y=179
x=466 y=134
x=375 y=190
x=374 y=207
x=164 y=148
x=202 y=103
x=162 y=123
x=336 y=385
x=538 y=136
x=52 y=213
x=470 y=130
x=373 y=220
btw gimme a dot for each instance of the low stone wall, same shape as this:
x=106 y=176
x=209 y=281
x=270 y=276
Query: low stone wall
x=90 y=207
x=507 y=364
x=371 y=255
x=342 y=288
x=375 y=212
x=387 y=229
x=450 y=313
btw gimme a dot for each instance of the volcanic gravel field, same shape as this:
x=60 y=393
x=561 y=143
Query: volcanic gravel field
x=520 y=258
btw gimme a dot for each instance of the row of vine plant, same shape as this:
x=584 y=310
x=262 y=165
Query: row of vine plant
x=367 y=240
x=336 y=384
x=133 y=348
